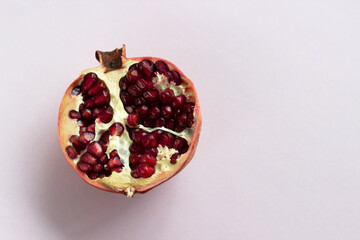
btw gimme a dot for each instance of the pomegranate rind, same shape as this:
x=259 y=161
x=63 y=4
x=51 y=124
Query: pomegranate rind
x=67 y=127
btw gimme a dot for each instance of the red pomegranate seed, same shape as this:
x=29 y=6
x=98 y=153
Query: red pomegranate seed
x=133 y=66
x=83 y=129
x=81 y=107
x=84 y=167
x=148 y=159
x=71 y=152
x=178 y=101
x=139 y=101
x=189 y=120
x=143 y=110
x=88 y=158
x=174 y=158
x=166 y=139
x=133 y=167
x=148 y=122
x=118 y=169
x=177 y=113
x=126 y=98
x=123 y=84
x=74 y=114
x=179 y=143
x=86 y=137
x=116 y=129
x=133 y=132
x=133 y=119
x=136 y=148
x=188 y=107
x=101 y=175
x=134 y=158
x=97 y=111
x=161 y=67
x=102 y=98
x=154 y=112
x=149 y=141
x=130 y=109
x=114 y=153
x=175 y=77
x=93 y=175
x=85 y=98
x=166 y=112
x=89 y=80
x=76 y=91
x=91 y=128
x=159 y=122
x=98 y=168
x=114 y=162
x=151 y=95
x=105 y=137
x=81 y=123
x=153 y=151
x=95 y=149
x=146 y=67
x=135 y=174
x=76 y=143
x=103 y=145
x=96 y=88
x=166 y=96
x=133 y=75
x=134 y=91
x=184 y=149
x=179 y=128
x=107 y=115
x=157 y=133
x=144 y=85
x=137 y=135
x=181 y=120
x=170 y=124
x=87 y=115
x=103 y=159
x=145 y=170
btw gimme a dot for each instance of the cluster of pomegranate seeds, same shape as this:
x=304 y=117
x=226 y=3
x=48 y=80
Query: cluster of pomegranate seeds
x=149 y=107
x=95 y=162
x=96 y=97
x=143 y=150
x=146 y=105
x=153 y=108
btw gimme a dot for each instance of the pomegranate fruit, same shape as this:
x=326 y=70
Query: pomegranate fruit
x=129 y=124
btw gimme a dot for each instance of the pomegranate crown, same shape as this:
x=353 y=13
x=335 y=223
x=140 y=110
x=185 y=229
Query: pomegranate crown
x=111 y=60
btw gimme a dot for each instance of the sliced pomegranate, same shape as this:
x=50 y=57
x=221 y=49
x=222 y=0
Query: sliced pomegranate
x=145 y=95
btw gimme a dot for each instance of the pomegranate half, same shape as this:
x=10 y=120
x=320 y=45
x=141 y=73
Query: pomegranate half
x=129 y=124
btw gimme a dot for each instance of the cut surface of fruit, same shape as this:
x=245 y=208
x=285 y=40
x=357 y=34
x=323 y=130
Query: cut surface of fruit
x=129 y=124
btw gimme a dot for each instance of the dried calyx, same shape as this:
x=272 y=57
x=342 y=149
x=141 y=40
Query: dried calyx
x=129 y=124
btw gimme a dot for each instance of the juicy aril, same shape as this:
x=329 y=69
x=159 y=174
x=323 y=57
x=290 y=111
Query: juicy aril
x=129 y=124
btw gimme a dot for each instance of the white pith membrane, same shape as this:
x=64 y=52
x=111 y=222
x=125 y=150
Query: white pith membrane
x=123 y=181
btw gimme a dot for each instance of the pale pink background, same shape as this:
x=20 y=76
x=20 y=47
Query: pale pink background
x=279 y=84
